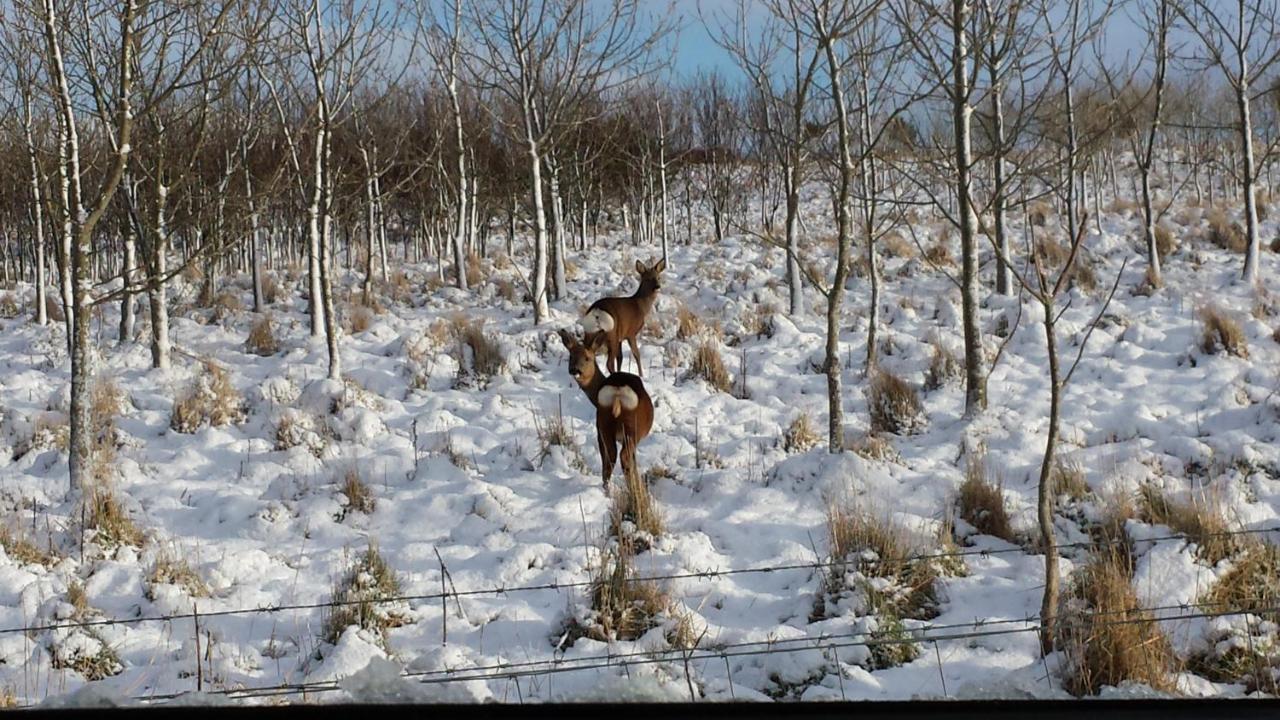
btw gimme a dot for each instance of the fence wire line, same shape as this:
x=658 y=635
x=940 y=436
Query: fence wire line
x=825 y=643
x=696 y=575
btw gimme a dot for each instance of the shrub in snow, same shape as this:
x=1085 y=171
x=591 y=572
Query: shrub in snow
x=18 y=547
x=708 y=365
x=300 y=429
x=1201 y=521
x=9 y=307
x=211 y=400
x=800 y=434
x=1224 y=233
x=1243 y=649
x=262 y=338
x=109 y=520
x=634 y=507
x=479 y=354
x=981 y=500
x=360 y=599
x=170 y=569
x=358 y=495
x=876 y=568
x=944 y=367
x=1220 y=333
x=621 y=608
x=1106 y=637
x=894 y=405
x=84 y=651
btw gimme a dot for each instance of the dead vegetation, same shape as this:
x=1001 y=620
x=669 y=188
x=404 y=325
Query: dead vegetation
x=211 y=400
x=357 y=494
x=9 y=307
x=553 y=431
x=1105 y=635
x=108 y=519
x=622 y=608
x=262 y=339
x=173 y=569
x=1245 y=650
x=633 y=508
x=800 y=435
x=944 y=367
x=981 y=500
x=1200 y=520
x=1220 y=333
x=1224 y=233
x=708 y=365
x=364 y=597
x=894 y=406
x=23 y=549
x=482 y=353
x=1067 y=477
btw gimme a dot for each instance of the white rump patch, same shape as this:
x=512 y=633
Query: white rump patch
x=597 y=321
x=622 y=394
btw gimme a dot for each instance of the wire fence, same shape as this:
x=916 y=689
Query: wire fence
x=920 y=633
x=499 y=590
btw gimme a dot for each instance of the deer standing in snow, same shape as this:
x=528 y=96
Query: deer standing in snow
x=621 y=318
x=624 y=412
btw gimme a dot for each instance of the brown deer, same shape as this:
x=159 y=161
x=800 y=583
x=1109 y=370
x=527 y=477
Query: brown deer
x=624 y=412
x=622 y=318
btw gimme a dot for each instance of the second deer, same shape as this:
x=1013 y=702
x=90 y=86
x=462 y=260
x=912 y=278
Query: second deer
x=624 y=412
x=621 y=318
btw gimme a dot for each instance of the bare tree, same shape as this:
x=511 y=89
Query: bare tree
x=545 y=58
x=1241 y=39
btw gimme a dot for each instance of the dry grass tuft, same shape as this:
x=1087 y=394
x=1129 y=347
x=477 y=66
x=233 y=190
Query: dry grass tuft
x=1039 y=213
x=212 y=400
x=944 y=366
x=1166 y=243
x=78 y=599
x=553 y=431
x=84 y=651
x=108 y=519
x=9 y=307
x=1249 y=655
x=22 y=549
x=1220 y=333
x=938 y=253
x=262 y=339
x=708 y=365
x=225 y=305
x=876 y=447
x=800 y=435
x=981 y=500
x=688 y=324
x=483 y=351
x=622 y=608
x=1067 y=477
x=634 y=505
x=360 y=599
x=359 y=318
x=894 y=405
x=897 y=246
x=359 y=495
x=1224 y=233
x=175 y=570
x=296 y=428
x=1202 y=522
x=1106 y=636
x=271 y=289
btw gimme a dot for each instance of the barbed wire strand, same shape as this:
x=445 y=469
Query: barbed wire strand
x=569 y=585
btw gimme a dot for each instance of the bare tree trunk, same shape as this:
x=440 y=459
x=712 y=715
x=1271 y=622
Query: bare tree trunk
x=541 y=308
x=975 y=398
x=1045 y=495
x=314 y=231
x=1248 y=172
x=129 y=277
x=835 y=297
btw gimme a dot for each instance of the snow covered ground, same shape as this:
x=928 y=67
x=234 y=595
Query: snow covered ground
x=262 y=526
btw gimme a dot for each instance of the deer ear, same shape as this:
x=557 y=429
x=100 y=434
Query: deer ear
x=597 y=343
x=567 y=339
x=660 y=265
x=639 y=267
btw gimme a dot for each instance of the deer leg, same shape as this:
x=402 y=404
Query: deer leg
x=607 y=442
x=615 y=356
x=635 y=354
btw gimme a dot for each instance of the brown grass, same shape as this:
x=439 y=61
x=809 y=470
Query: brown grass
x=78 y=599
x=624 y=609
x=360 y=318
x=897 y=246
x=107 y=517
x=688 y=324
x=1039 y=213
x=554 y=431
x=226 y=304
x=1224 y=233
x=939 y=251
x=211 y=400
x=1219 y=332
x=483 y=350
x=170 y=569
x=271 y=289
x=262 y=339
x=708 y=365
x=9 y=307
x=22 y=549
x=1068 y=479
x=359 y=495
x=876 y=447
x=1106 y=637
x=1166 y=242
x=981 y=500
x=1202 y=522
x=944 y=366
x=894 y=405
x=634 y=504
x=360 y=598
x=801 y=435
